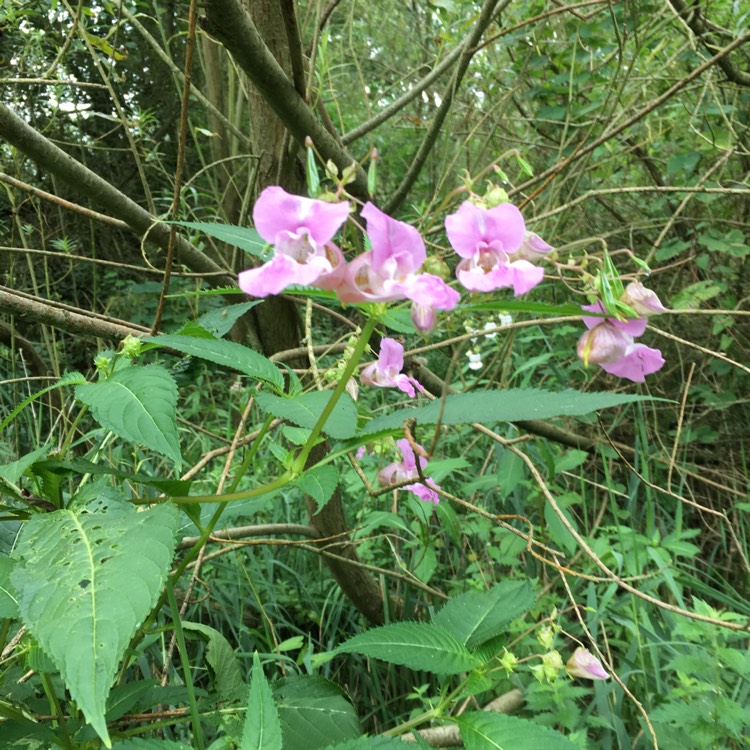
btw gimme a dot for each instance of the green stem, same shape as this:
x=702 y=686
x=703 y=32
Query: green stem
x=433 y=713
x=299 y=463
x=57 y=709
x=229 y=497
x=180 y=636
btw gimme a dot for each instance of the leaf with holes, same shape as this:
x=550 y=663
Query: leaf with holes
x=85 y=580
x=138 y=404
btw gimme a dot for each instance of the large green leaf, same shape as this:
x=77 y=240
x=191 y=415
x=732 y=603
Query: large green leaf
x=223 y=662
x=371 y=743
x=514 y=405
x=320 y=483
x=478 y=616
x=245 y=238
x=8 y=599
x=13 y=471
x=85 y=580
x=484 y=730
x=314 y=713
x=417 y=645
x=149 y=743
x=262 y=729
x=304 y=410
x=220 y=321
x=227 y=353
x=138 y=404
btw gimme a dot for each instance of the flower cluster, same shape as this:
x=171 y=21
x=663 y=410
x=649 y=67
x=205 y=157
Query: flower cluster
x=301 y=231
x=610 y=342
x=406 y=470
x=495 y=249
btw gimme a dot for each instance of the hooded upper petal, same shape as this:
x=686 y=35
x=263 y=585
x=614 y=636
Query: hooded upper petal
x=277 y=211
x=472 y=227
x=397 y=248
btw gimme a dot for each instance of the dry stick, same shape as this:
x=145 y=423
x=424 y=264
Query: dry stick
x=703 y=349
x=680 y=420
x=693 y=503
x=598 y=652
x=44 y=195
x=102 y=262
x=611 y=575
x=179 y=167
x=683 y=203
x=655 y=104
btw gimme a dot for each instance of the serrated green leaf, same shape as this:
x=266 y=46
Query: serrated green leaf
x=478 y=616
x=227 y=353
x=13 y=471
x=320 y=483
x=314 y=713
x=245 y=238
x=417 y=645
x=149 y=743
x=304 y=410
x=86 y=579
x=262 y=729
x=222 y=660
x=512 y=405
x=220 y=322
x=484 y=730
x=8 y=598
x=138 y=404
x=370 y=743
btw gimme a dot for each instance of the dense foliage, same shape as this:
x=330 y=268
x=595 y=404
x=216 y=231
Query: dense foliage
x=283 y=472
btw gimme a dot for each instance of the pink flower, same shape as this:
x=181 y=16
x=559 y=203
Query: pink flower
x=380 y=274
x=487 y=240
x=301 y=230
x=610 y=343
x=644 y=301
x=603 y=344
x=638 y=361
x=386 y=372
x=585 y=665
x=406 y=470
x=533 y=248
x=390 y=271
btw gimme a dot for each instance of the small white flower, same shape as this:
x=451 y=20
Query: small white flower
x=475 y=361
x=505 y=320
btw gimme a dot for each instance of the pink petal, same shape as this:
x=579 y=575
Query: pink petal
x=471 y=225
x=393 y=241
x=644 y=301
x=640 y=360
x=634 y=327
x=277 y=211
x=585 y=665
x=279 y=273
x=431 y=291
x=391 y=355
x=603 y=344
x=533 y=248
x=477 y=279
x=525 y=276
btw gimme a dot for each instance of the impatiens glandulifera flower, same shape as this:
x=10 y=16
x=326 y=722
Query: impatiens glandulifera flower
x=406 y=470
x=386 y=372
x=487 y=240
x=585 y=665
x=644 y=301
x=390 y=271
x=301 y=230
x=533 y=248
x=610 y=343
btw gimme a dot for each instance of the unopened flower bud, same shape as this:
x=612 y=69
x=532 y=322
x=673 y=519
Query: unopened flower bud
x=533 y=248
x=644 y=301
x=585 y=665
x=131 y=347
x=495 y=196
x=437 y=267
